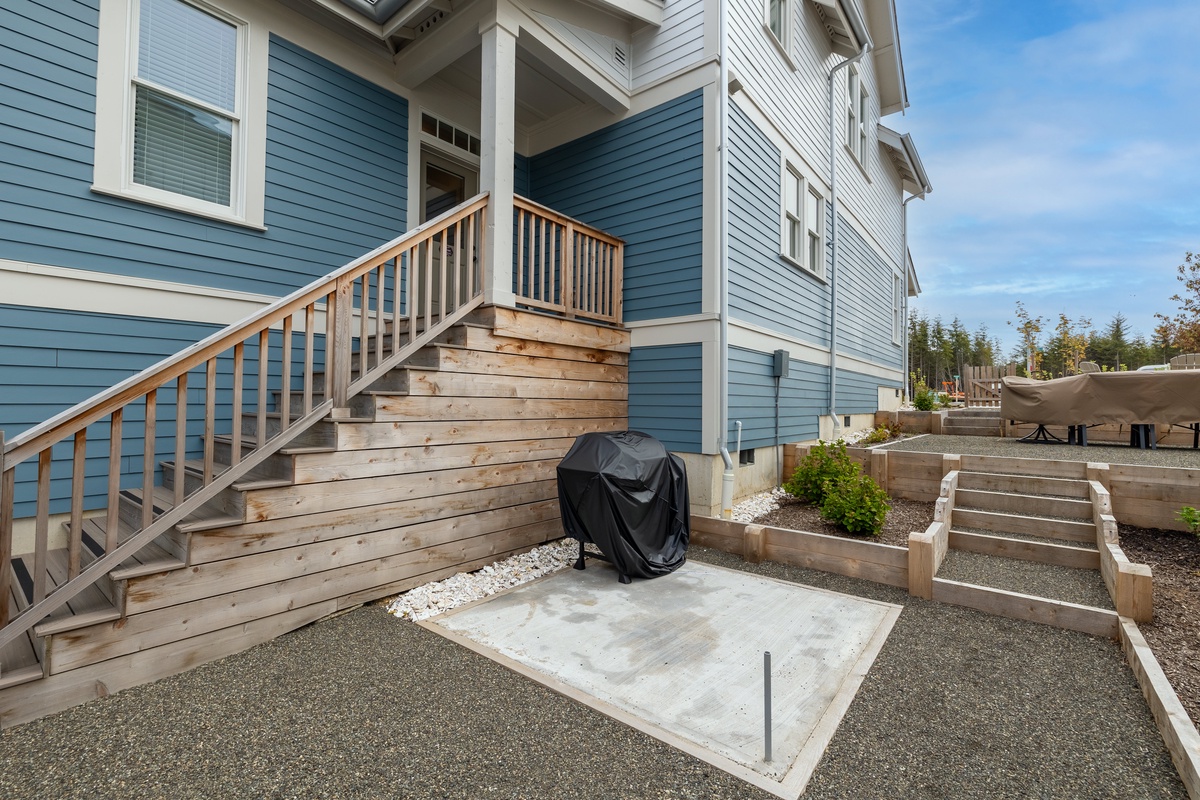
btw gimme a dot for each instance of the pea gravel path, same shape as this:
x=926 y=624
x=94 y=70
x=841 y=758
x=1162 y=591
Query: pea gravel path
x=958 y=704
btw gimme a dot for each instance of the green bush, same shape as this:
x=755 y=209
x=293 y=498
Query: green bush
x=1191 y=518
x=825 y=462
x=883 y=433
x=924 y=398
x=856 y=503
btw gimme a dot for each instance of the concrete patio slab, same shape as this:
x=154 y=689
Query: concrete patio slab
x=681 y=657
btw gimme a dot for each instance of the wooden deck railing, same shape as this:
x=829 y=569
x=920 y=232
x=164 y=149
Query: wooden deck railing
x=565 y=266
x=361 y=321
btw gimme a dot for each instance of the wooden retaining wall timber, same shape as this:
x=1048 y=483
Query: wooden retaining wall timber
x=1178 y=732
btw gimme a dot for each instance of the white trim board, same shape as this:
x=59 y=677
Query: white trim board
x=753 y=337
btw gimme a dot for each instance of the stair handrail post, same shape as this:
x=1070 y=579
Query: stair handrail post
x=340 y=347
x=568 y=270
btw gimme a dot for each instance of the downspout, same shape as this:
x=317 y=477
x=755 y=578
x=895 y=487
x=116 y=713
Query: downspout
x=904 y=378
x=727 y=478
x=833 y=257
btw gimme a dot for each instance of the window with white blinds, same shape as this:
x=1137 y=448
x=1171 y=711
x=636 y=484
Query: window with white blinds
x=186 y=108
x=802 y=237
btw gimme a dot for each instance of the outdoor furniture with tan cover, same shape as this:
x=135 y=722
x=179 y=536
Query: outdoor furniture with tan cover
x=1088 y=366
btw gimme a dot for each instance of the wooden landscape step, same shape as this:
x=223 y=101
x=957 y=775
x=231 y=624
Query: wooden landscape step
x=1043 y=552
x=1031 y=505
x=1075 y=470
x=997 y=522
x=1023 y=484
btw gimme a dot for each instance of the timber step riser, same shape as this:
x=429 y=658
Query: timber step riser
x=1013 y=484
x=1026 y=505
x=994 y=522
x=460 y=474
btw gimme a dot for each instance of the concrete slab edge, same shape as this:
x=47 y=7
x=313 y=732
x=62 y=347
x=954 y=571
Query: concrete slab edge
x=1174 y=724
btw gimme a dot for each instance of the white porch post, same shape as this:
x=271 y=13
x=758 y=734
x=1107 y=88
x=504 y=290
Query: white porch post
x=497 y=125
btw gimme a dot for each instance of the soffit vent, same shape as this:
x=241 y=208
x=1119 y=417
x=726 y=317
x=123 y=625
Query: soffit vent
x=619 y=56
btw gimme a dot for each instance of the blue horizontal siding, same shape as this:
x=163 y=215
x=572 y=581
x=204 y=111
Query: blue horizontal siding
x=864 y=301
x=336 y=168
x=51 y=360
x=763 y=287
x=665 y=385
x=858 y=393
x=640 y=179
x=803 y=398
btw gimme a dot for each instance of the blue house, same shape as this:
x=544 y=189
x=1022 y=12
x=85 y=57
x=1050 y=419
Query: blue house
x=493 y=225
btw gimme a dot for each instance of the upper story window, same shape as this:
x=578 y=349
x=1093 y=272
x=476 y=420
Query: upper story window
x=897 y=308
x=802 y=240
x=779 y=23
x=186 y=105
x=856 y=114
x=181 y=128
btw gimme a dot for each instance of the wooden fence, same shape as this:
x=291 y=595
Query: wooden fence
x=983 y=385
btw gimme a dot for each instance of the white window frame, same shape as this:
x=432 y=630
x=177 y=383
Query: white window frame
x=857 y=112
x=897 y=308
x=115 y=88
x=799 y=224
x=782 y=39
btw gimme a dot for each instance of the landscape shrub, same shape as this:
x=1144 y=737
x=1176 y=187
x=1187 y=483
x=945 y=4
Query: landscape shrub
x=825 y=462
x=856 y=503
x=885 y=432
x=924 y=398
x=1191 y=518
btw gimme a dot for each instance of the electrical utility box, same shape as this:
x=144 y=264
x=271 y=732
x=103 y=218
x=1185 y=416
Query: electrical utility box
x=780 y=367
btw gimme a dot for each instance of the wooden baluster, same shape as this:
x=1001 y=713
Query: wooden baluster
x=458 y=266
x=210 y=422
x=41 y=541
x=264 y=360
x=379 y=295
x=617 y=277
x=75 y=532
x=472 y=258
x=239 y=365
x=524 y=278
x=363 y=334
x=397 y=298
x=427 y=272
x=285 y=376
x=181 y=405
x=148 y=460
x=7 y=484
x=443 y=250
x=310 y=322
x=113 y=519
x=415 y=260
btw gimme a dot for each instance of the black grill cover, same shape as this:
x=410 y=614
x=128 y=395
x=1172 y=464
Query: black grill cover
x=627 y=495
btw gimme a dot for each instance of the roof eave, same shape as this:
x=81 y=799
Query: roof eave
x=889 y=63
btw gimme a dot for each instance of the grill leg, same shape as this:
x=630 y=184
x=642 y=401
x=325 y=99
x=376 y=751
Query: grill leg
x=579 y=561
x=623 y=578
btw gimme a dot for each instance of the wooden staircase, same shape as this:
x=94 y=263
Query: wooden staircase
x=443 y=464
x=973 y=422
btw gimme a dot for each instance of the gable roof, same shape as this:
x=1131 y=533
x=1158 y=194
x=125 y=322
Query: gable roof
x=889 y=66
x=903 y=154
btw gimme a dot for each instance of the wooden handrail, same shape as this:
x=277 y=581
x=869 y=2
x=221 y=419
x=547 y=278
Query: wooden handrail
x=400 y=315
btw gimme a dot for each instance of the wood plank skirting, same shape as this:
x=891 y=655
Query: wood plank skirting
x=440 y=468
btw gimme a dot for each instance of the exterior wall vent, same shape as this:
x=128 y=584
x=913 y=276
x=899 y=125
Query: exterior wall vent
x=619 y=56
x=430 y=21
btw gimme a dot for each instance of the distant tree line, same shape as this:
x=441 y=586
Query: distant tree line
x=937 y=352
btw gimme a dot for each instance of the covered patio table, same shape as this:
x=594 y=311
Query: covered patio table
x=1138 y=399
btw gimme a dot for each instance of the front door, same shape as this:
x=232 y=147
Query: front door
x=445 y=183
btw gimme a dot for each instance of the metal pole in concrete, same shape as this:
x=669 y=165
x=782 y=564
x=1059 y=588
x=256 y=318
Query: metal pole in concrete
x=767 y=704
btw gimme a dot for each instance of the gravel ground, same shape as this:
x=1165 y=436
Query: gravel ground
x=958 y=704
x=1014 y=448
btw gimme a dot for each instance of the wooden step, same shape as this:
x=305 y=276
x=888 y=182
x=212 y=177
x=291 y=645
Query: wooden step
x=966 y=429
x=1061 y=529
x=1043 y=552
x=546 y=328
x=202 y=519
x=19 y=659
x=249 y=443
x=193 y=471
x=90 y=606
x=1023 y=484
x=390 y=408
x=422 y=433
x=151 y=559
x=1075 y=470
x=481 y=337
x=1026 y=504
x=277 y=465
x=459 y=359
x=425 y=382
x=322 y=434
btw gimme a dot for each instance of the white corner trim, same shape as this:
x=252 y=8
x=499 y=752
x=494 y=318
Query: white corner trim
x=43 y=286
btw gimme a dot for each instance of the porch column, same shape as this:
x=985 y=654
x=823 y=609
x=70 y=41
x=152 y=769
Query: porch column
x=497 y=126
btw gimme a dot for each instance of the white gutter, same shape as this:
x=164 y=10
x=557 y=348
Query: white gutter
x=833 y=258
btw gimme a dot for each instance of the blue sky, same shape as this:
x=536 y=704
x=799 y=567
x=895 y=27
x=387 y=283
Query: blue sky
x=1062 y=140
